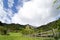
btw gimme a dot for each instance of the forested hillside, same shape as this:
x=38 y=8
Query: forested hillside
x=50 y=26
x=52 y=29
x=17 y=27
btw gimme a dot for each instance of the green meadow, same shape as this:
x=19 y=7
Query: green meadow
x=19 y=36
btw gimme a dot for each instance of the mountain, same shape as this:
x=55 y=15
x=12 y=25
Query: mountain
x=14 y=27
x=50 y=26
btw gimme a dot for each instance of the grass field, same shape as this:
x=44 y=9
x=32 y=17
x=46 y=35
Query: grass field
x=19 y=36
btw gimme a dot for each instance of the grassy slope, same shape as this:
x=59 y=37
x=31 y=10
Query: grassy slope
x=18 y=36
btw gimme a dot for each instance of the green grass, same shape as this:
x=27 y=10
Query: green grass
x=19 y=36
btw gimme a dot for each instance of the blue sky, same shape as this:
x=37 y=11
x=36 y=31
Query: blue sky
x=13 y=8
x=33 y=12
x=15 y=4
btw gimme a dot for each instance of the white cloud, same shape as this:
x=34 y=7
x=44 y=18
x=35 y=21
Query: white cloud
x=3 y=14
x=10 y=3
x=36 y=12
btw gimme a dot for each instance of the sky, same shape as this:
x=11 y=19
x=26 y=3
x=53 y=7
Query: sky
x=32 y=12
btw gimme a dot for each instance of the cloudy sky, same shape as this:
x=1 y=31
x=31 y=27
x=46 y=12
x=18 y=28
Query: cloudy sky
x=33 y=12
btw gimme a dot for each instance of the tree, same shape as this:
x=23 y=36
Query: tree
x=55 y=1
x=28 y=30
